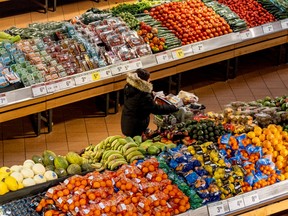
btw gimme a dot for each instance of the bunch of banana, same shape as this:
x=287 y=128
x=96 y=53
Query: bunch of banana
x=92 y=155
x=132 y=152
x=112 y=159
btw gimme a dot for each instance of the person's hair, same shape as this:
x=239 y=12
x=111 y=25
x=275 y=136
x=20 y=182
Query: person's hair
x=143 y=74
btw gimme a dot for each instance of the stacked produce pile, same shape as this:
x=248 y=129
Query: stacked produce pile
x=190 y=21
x=251 y=11
x=141 y=188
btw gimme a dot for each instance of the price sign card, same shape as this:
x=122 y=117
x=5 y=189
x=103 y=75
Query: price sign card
x=96 y=76
x=236 y=203
x=52 y=86
x=117 y=69
x=162 y=58
x=135 y=64
x=246 y=35
x=38 y=90
x=178 y=54
x=216 y=209
x=67 y=83
x=268 y=28
x=82 y=79
x=198 y=48
x=284 y=24
x=3 y=99
x=105 y=73
x=251 y=199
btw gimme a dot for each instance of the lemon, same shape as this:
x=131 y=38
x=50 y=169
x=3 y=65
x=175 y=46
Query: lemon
x=3 y=188
x=251 y=134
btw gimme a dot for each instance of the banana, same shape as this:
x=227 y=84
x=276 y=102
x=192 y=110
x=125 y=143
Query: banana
x=111 y=139
x=108 y=153
x=122 y=141
x=117 y=145
x=120 y=148
x=129 y=145
x=114 y=156
x=137 y=157
x=100 y=169
x=117 y=164
x=89 y=148
x=130 y=150
x=115 y=161
x=106 y=141
x=132 y=154
x=102 y=144
x=114 y=143
x=96 y=165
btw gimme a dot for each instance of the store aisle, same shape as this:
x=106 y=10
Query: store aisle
x=73 y=129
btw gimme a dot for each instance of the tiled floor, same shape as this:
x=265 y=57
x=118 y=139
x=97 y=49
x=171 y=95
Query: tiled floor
x=73 y=129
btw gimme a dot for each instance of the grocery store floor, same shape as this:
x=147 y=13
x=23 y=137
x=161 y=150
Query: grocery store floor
x=74 y=128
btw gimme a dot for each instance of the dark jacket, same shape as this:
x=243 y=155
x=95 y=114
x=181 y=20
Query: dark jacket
x=138 y=105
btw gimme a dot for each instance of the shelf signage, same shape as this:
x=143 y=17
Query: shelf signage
x=3 y=99
x=162 y=58
x=268 y=28
x=198 y=48
x=236 y=203
x=251 y=199
x=284 y=24
x=216 y=209
x=82 y=79
x=121 y=68
x=96 y=76
x=246 y=35
x=66 y=83
x=178 y=54
x=105 y=73
x=52 y=86
x=38 y=90
x=135 y=64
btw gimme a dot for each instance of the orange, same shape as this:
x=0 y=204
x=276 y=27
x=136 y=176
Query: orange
x=150 y=190
x=158 y=179
x=96 y=185
x=251 y=134
x=60 y=194
x=103 y=184
x=107 y=209
x=129 y=186
x=145 y=170
x=109 y=183
x=82 y=201
x=113 y=209
x=91 y=196
x=97 y=212
x=156 y=203
x=280 y=158
x=163 y=202
x=279 y=164
x=151 y=168
x=134 y=199
x=169 y=187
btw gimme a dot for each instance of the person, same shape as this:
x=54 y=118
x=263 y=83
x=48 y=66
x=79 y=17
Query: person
x=139 y=104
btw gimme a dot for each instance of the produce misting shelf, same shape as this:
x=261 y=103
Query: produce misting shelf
x=46 y=96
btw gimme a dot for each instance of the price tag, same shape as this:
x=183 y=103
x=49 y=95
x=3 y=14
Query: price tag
x=177 y=54
x=39 y=90
x=216 y=209
x=251 y=199
x=117 y=70
x=105 y=73
x=66 y=83
x=3 y=100
x=246 y=35
x=284 y=24
x=162 y=58
x=236 y=204
x=82 y=79
x=126 y=67
x=267 y=28
x=95 y=76
x=198 y=48
x=135 y=64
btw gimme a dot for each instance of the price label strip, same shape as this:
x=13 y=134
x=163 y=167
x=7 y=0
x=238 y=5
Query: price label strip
x=236 y=203
x=198 y=48
x=246 y=35
x=3 y=100
x=117 y=70
x=216 y=209
x=38 y=90
x=284 y=24
x=178 y=54
x=82 y=79
x=134 y=65
x=162 y=58
x=251 y=199
x=67 y=83
x=267 y=28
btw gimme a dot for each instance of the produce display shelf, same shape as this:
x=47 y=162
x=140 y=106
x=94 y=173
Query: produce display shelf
x=49 y=95
x=254 y=203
